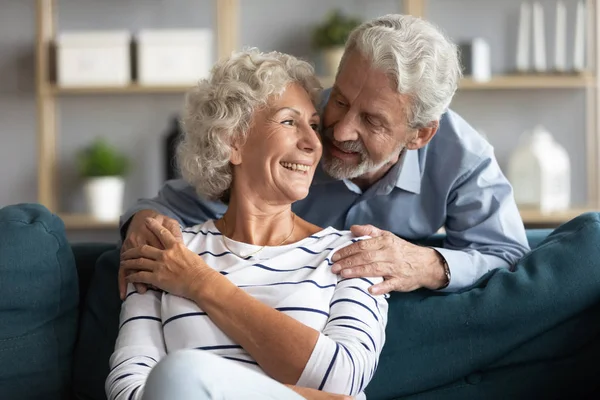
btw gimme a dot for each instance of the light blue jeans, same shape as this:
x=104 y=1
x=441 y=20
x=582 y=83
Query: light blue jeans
x=199 y=375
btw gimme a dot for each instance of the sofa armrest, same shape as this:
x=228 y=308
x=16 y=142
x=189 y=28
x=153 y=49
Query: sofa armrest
x=86 y=255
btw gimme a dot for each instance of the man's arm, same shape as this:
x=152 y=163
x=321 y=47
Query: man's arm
x=483 y=226
x=177 y=200
x=484 y=232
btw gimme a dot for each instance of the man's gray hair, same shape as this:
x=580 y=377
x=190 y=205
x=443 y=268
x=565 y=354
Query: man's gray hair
x=218 y=113
x=419 y=59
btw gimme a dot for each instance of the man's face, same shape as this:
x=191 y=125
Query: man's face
x=364 y=121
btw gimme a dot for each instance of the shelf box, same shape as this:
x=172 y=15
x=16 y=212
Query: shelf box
x=173 y=57
x=93 y=58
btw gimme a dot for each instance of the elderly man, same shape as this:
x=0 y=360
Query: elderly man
x=397 y=165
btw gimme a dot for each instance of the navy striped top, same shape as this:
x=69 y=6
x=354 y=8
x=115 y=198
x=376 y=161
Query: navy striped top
x=295 y=279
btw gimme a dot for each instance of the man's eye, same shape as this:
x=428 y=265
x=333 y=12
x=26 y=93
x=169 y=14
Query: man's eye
x=315 y=127
x=373 y=122
x=340 y=103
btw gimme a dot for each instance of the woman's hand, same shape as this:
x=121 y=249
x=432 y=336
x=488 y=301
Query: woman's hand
x=138 y=234
x=176 y=269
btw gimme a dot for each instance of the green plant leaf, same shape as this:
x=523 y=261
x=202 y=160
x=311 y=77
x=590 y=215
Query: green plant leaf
x=101 y=159
x=334 y=31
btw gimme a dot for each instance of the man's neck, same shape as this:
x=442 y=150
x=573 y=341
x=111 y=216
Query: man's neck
x=365 y=181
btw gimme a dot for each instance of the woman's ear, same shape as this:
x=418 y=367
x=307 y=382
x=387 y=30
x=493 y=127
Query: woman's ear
x=236 y=153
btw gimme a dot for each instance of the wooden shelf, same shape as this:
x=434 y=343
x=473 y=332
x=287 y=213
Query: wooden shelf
x=530 y=82
x=130 y=89
x=83 y=221
x=537 y=217
x=514 y=82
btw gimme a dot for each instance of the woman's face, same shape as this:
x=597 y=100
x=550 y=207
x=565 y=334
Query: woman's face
x=278 y=160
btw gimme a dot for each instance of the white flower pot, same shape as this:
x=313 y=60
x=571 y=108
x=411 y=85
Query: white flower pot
x=331 y=59
x=105 y=197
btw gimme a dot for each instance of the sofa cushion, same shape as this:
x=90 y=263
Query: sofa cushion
x=86 y=256
x=38 y=305
x=98 y=329
x=540 y=319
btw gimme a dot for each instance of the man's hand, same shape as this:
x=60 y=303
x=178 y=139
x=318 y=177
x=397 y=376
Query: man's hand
x=404 y=266
x=314 y=394
x=138 y=234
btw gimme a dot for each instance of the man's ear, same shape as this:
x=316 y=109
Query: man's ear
x=423 y=136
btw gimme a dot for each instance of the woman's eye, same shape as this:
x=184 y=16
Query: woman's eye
x=315 y=127
x=288 y=122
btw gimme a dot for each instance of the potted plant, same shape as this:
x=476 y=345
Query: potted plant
x=103 y=169
x=330 y=38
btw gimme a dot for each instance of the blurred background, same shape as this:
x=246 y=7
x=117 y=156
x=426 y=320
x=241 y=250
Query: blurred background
x=90 y=91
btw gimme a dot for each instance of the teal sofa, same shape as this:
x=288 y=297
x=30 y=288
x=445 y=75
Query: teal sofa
x=59 y=314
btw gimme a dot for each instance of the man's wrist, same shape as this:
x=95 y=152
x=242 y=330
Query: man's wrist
x=439 y=271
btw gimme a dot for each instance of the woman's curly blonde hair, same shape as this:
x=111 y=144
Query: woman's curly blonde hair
x=218 y=112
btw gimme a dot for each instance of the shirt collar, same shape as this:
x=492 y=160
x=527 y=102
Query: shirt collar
x=409 y=172
x=405 y=175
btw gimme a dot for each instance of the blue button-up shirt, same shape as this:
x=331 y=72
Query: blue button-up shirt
x=454 y=182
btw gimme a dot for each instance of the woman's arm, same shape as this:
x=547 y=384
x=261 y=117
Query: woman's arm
x=139 y=347
x=342 y=359
x=346 y=355
x=280 y=344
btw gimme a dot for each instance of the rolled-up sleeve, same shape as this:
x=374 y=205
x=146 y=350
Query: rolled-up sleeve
x=484 y=229
x=345 y=357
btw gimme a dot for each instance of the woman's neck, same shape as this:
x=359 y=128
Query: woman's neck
x=262 y=226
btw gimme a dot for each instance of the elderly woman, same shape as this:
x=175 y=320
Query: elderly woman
x=252 y=293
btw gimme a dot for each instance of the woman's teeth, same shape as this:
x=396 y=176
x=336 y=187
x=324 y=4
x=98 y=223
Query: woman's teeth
x=296 y=167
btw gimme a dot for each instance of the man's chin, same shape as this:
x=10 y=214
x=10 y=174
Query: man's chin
x=337 y=169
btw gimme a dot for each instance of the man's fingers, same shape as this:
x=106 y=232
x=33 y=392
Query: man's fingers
x=140 y=287
x=145 y=251
x=384 y=287
x=175 y=229
x=122 y=283
x=142 y=277
x=368 y=270
x=358 y=247
x=163 y=234
x=137 y=264
x=366 y=230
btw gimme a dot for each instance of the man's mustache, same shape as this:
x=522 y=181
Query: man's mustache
x=355 y=146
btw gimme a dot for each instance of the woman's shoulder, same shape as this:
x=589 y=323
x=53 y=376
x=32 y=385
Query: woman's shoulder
x=336 y=239
x=204 y=229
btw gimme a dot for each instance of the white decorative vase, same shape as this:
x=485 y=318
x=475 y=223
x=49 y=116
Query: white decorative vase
x=331 y=59
x=105 y=197
x=540 y=172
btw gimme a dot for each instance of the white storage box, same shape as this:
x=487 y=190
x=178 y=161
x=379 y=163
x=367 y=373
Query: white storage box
x=93 y=58
x=174 y=56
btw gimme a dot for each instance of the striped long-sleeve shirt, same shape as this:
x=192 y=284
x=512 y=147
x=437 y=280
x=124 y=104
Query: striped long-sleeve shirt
x=294 y=279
